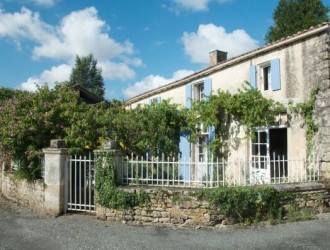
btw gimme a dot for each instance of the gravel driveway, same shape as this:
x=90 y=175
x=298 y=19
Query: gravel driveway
x=22 y=229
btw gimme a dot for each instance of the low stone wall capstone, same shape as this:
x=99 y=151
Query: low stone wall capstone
x=170 y=207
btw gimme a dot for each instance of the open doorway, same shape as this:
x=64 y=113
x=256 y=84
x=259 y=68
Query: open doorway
x=269 y=154
x=278 y=147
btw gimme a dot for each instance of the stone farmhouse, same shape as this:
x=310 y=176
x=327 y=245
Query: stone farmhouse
x=286 y=70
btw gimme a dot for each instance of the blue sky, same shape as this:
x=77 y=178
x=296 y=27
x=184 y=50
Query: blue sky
x=139 y=44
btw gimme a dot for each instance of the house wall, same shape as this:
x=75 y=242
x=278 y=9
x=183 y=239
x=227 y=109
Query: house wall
x=176 y=95
x=322 y=107
x=304 y=64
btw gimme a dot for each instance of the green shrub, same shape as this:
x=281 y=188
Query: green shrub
x=109 y=195
x=245 y=204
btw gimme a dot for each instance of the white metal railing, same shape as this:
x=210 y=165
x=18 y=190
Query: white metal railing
x=79 y=175
x=218 y=172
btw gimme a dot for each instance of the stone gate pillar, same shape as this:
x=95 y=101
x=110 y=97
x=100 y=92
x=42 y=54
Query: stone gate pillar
x=55 y=158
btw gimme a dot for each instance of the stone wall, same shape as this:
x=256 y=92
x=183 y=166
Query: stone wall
x=181 y=208
x=29 y=194
x=44 y=196
x=322 y=107
x=168 y=207
x=1 y=177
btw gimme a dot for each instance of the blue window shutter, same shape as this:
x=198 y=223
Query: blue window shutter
x=150 y=101
x=159 y=99
x=207 y=87
x=275 y=74
x=184 y=166
x=188 y=95
x=211 y=132
x=252 y=77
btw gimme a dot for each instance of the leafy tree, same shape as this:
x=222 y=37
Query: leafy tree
x=153 y=129
x=87 y=74
x=292 y=16
x=29 y=121
x=7 y=93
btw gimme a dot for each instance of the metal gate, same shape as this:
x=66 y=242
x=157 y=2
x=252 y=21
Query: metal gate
x=79 y=175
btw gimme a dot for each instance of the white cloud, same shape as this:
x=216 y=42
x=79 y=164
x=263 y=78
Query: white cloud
x=224 y=1
x=79 y=33
x=209 y=37
x=113 y=71
x=45 y=3
x=25 y=25
x=59 y=73
x=193 y=5
x=153 y=81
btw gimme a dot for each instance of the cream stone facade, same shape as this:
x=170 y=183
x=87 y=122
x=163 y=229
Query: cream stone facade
x=284 y=71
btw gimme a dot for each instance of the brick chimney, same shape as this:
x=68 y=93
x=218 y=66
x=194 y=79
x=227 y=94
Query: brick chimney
x=217 y=56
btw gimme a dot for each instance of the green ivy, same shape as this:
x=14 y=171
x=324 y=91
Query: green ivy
x=306 y=111
x=108 y=193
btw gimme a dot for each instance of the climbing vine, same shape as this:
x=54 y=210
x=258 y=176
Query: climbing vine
x=229 y=113
x=306 y=111
x=108 y=193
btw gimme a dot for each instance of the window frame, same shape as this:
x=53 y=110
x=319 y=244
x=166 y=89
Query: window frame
x=201 y=150
x=265 y=81
x=199 y=91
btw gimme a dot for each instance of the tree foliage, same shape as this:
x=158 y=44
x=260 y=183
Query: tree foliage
x=87 y=74
x=7 y=93
x=29 y=121
x=292 y=16
x=153 y=129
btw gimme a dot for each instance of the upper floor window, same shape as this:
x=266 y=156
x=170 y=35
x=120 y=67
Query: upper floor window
x=199 y=92
x=155 y=100
x=266 y=76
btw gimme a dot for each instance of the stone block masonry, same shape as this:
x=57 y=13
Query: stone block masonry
x=29 y=194
x=170 y=207
x=45 y=196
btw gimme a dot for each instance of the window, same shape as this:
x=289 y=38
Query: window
x=199 y=92
x=201 y=145
x=260 y=143
x=267 y=146
x=155 y=100
x=266 y=77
